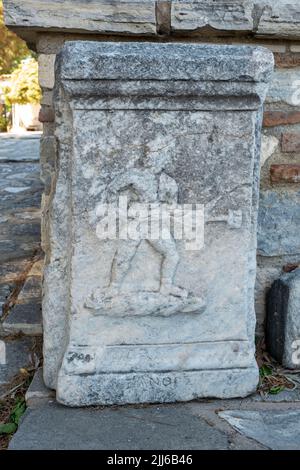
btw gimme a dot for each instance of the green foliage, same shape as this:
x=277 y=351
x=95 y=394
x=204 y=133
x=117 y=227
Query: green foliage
x=12 y=48
x=14 y=419
x=265 y=371
x=24 y=87
x=3 y=124
x=276 y=389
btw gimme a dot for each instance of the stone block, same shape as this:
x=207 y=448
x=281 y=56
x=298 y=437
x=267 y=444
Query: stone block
x=287 y=60
x=221 y=16
x=47 y=98
x=295 y=48
x=267 y=18
x=283 y=320
x=285 y=88
x=46 y=114
x=280 y=118
x=46 y=70
x=24 y=318
x=278 y=18
x=134 y=17
x=269 y=144
x=163 y=16
x=37 y=391
x=279 y=223
x=290 y=142
x=48 y=156
x=285 y=173
x=148 y=320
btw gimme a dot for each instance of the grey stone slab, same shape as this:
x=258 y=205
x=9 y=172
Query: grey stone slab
x=55 y=427
x=32 y=290
x=284 y=87
x=286 y=396
x=153 y=321
x=277 y=430
x=19 y=148
x=268 y=18
x=24 y=318
x=37 y=391
x=280 y=18
x=19 y=179
x=221 y=16
x=136 y=17
x=283 y=320
x=14 y=355
x=279 y=223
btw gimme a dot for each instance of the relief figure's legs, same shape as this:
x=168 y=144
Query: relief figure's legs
x=168 y=250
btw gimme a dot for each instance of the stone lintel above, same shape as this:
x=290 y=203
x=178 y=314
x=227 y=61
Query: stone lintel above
x=277 y=19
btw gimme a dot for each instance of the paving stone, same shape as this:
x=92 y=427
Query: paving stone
x=19 y=148
x=277 y=430
x=17 y=355
x=265 y=18
x=37 y=390
x=54 y=427
x=286 y=396
x=24 y=318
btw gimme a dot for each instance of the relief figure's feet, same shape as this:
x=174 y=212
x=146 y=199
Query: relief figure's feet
x=176 y=291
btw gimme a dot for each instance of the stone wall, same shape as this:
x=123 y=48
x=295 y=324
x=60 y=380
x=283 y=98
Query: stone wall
x=271 y=23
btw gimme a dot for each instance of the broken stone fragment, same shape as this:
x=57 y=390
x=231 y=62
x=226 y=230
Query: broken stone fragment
x=283 y=320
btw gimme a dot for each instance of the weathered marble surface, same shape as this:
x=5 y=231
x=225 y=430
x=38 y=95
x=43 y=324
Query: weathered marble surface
x=161 y=121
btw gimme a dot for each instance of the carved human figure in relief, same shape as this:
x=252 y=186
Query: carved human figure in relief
x=143 y=186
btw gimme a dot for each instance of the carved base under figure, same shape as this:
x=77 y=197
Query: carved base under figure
x=143 y=303
x=120 y=389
